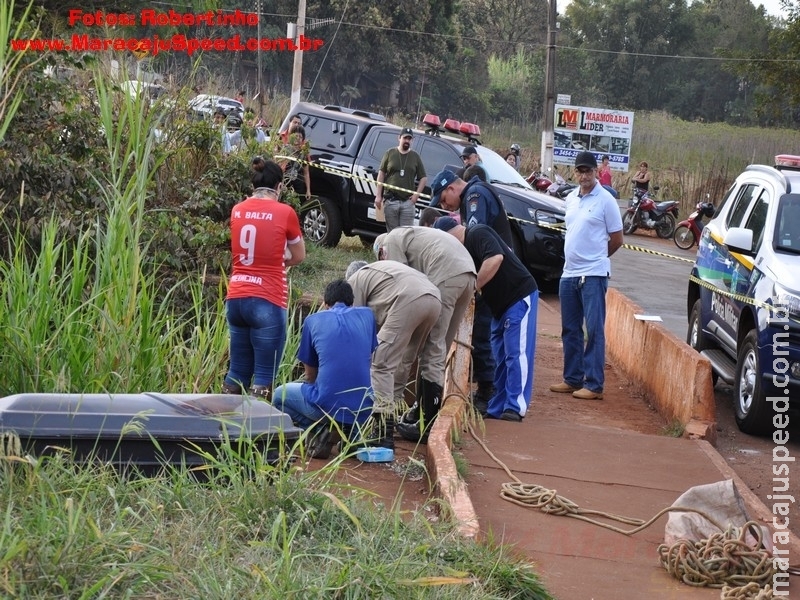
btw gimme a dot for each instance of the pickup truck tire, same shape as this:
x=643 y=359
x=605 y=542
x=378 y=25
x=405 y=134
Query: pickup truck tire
x=695 y=336
x=321 y=222
x=752 y=411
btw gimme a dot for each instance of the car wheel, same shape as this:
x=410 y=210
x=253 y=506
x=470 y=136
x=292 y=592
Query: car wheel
x=628 y=224
x=321 y=222
x=695 y=336
x=750 y=403
x=665 y=226
x=683 y=237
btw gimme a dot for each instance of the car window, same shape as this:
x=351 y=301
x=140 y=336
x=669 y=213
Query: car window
x=329 y=133
x=757 y=220
x=436 y=155
x=787 y=225
x=383 y=141
x=741 y=205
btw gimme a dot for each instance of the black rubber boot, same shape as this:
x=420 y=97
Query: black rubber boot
x=431 y=403
x=382 y=434
x=412 y=414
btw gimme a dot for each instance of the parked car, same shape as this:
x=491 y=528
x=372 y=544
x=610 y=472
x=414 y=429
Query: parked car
x=207 y=105
x=151 y=91
x=347 y=146
x=744 y=293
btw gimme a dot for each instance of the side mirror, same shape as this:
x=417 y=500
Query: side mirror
x=739 y=239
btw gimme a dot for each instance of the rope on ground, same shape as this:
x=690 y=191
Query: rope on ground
x=725 y=560
x=751 y=591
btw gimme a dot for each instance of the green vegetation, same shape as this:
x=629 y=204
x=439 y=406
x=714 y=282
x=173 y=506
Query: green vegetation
x=266 y=532
x=674 y=429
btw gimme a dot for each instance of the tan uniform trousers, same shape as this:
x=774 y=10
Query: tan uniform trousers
x=407 y=331
x=457 y=292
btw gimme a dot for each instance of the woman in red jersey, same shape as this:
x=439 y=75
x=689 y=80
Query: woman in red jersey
x=265 y=239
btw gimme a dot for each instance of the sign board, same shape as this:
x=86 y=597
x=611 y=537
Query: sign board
x=563 y=99
x=600 y=130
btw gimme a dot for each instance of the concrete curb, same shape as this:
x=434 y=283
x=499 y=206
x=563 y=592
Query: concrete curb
x=448 y=425
x=676 y=378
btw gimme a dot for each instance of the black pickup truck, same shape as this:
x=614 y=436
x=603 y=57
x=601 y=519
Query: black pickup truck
x=346 y=148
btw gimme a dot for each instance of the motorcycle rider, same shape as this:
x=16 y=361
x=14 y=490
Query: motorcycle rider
x=641 y=183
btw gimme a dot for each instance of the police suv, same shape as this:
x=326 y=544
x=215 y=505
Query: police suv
x=347 y=146
x=744 y=293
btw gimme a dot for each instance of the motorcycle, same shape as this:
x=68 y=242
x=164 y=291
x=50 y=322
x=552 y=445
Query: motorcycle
x=558 y=188
x=688 y=231
x=644 y=212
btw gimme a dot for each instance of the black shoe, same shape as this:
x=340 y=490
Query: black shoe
x=510 y=415
x=481 y=407
x=320 y=443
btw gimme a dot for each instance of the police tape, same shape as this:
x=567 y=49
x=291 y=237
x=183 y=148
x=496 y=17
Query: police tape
x=560 y=227
x=656 y=253
x=348 y=175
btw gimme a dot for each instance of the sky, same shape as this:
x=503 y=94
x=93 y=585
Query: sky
x=773 y=6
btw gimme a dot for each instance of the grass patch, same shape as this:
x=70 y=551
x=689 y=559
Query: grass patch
x=276 y=533
x=674 y=429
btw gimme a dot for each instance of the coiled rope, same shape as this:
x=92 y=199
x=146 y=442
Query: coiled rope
x=725 y=560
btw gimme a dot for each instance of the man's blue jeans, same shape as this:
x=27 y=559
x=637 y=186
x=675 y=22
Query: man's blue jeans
x=583 y=300
x=258 y=334
x=289 y=398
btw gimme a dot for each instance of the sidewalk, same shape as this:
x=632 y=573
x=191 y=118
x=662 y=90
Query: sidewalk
x=595 y=465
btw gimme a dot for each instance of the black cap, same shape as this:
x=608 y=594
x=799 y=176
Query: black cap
x=469 y=151
x=407 y=131
x=585 y=159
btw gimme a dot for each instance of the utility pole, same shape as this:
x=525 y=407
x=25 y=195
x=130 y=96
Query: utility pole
x=297 y=71
x=549 y=91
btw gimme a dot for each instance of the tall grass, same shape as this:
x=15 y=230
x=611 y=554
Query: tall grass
x=86 y=316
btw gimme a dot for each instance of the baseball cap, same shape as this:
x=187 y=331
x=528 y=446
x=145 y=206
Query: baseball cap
x=585 y=159
x=445 y=223
x=469 y=151
x=407 y=131
x=441 y=181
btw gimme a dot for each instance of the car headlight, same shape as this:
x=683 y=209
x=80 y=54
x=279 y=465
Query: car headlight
x=781 y=297
x=542 y=217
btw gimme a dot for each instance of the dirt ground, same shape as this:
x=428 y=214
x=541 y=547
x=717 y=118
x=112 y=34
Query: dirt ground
x=622 y=407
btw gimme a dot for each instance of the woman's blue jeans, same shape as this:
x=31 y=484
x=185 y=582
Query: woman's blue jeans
x=258 y=335
x=583 y=300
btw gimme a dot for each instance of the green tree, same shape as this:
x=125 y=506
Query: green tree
x=773 y=74
x=627 y=40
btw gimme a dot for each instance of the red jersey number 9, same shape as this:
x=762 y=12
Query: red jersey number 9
x=247 y=242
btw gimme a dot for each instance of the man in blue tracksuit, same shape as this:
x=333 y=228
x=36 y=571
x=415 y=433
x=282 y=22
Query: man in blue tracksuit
x=477 y=203
x=512 y=296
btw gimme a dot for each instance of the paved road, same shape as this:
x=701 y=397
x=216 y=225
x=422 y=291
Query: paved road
x=658 y=285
